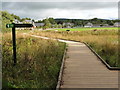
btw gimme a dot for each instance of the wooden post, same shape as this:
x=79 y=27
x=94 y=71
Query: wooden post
x=14 y=44
x=13 y=26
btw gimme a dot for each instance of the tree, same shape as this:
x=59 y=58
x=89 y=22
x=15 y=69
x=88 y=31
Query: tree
x=51 y=20
x=23 y=19
x=7 y=16
x=47 y=24
x=33 y=20
x=39 y=21
x=15 y=17
x=110 y=22
x=59 y=26
x=27 y=18
x=55 y=25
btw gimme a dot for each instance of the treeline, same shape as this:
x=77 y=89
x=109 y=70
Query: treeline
x=8 y=18
x=54 y=23
x=82 y=22
x=49 y=23
x=79 y=22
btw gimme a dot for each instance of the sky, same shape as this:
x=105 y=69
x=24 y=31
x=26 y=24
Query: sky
x=71 y=10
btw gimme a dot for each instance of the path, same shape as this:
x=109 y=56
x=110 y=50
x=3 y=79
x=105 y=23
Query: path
x=83 y=69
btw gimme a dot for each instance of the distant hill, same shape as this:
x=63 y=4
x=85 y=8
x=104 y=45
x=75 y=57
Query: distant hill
x=67 y=19
x=82 y=22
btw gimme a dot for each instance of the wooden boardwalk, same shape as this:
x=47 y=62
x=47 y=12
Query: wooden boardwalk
x=83 y=69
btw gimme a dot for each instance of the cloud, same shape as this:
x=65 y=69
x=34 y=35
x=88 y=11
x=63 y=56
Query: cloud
x=40 y=10
x=60 y=5
x=61 y=1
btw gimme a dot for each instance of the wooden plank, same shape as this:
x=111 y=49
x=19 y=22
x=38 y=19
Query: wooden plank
x=84 y=70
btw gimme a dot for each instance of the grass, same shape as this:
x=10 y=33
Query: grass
x=38 y=62
x=104 y=42
x=85 y=28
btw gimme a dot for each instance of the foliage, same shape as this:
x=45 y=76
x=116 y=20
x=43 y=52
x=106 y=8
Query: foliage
x=51 y=20
x=54 y=23
x=6 y=19
x=82 y=22
x=23 y=19
x=77 y=22
x=47 y=24
x=16 y=17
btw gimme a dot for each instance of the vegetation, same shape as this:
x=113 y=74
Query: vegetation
x=8 y=18
x=85 y=28
x=38 y=62
x=55 y=23
x=47 y=24
x=82 y=22
x=104 y=42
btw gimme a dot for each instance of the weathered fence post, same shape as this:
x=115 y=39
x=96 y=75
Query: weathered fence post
x=13 y=26
x=14 y=43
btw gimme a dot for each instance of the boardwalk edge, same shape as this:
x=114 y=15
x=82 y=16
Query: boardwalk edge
x=61 y=70
x=103 y=61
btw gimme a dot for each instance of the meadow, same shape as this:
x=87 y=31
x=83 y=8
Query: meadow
x=104 y=42
x=38 y=62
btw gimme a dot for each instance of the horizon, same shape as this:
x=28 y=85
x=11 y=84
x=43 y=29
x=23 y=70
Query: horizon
x=69 y=10
x=64 y=18
x=80 y=18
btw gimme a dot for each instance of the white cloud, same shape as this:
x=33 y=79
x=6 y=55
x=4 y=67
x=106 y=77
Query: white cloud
x=75 y=10
x=80 y=14
x=60 y=1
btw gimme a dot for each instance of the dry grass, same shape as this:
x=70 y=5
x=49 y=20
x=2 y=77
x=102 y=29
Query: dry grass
x=104 y=42
x=38 y=62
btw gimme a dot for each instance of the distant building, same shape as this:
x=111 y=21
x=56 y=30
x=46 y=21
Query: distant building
x=89 y=25
x=68 y=25
x=17 y=21
x=105 y=25
x=28 y=21
x=39 y=24
x=24 y=22
x=96 y=25
x=77 y=26
x=117 y=24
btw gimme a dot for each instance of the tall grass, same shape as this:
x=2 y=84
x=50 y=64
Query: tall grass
x=38 y=62
x=104 y=42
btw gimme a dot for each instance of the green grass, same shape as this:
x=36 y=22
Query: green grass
x=38 y=62
x=84 y=28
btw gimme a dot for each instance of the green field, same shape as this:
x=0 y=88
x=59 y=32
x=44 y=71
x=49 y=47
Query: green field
x=84 y=28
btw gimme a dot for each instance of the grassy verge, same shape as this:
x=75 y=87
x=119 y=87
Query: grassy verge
x=38 y=62
x=104 y=42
